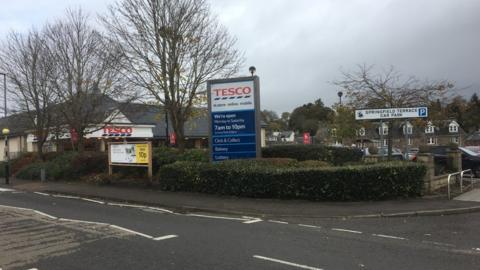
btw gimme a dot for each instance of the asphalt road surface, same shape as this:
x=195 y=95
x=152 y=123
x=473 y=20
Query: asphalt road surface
x=43 y=231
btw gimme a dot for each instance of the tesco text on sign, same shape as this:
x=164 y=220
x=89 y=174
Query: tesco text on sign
x=233 y=119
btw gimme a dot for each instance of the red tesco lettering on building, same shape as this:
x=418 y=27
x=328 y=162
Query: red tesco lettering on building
x=233 y=91
x=117 y=130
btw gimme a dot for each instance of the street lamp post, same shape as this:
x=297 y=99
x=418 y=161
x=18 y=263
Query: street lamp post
x=252 y=70
x=5 y=133
x=4 y=92
x=340 y=94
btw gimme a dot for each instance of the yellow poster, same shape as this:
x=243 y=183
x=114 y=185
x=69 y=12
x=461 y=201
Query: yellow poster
x=141 y=151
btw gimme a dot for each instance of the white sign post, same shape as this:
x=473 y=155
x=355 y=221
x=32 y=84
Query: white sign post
x=392 y=113
x=138 y=154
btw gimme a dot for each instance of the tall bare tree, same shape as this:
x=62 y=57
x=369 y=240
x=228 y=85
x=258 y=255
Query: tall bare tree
x=87 y=74
x=389 y=89
x=25 y=59
x=173 y=47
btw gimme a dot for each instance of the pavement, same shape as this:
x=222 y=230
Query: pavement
x=265 y=208
x=471 y=196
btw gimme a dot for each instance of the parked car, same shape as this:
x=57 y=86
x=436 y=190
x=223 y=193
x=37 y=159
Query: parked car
x=470 y=160
x=412 y=154
x=396 y=153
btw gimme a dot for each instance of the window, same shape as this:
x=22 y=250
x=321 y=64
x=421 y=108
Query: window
x=383 y=129
x=429 y=129
x=432 y=140
x=385 y=143
x=409 y=141
x=455 y=140
x=334 y=132
x=361 y=132
x=453 y=128
x=409 y=129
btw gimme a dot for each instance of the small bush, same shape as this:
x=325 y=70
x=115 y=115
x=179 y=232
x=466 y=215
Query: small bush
x=373 y=150
x=252 y=179
x=334 y=155
x=67 y=166
x=167 y=155
x=313 y=164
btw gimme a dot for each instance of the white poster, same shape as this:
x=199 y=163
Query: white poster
x=123 y=153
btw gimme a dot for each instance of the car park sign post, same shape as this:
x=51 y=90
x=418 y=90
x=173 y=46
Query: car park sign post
x=391 y=113
x=234 y=118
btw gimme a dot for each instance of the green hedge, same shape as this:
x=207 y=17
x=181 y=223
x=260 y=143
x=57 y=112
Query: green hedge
x=67 y=166
x=334 y=155
x=371 y=182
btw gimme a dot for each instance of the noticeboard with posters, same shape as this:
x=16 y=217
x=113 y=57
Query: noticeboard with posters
x=130 y=154
x=234 y=110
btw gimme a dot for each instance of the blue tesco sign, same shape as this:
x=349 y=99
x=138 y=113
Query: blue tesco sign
x=234 y=129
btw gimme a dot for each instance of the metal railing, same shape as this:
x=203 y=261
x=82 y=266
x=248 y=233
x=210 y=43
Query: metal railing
x=461 y=173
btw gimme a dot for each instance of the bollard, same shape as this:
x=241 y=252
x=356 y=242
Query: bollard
x=42 y=175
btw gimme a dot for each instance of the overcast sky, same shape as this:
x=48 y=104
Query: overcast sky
x=299 y=47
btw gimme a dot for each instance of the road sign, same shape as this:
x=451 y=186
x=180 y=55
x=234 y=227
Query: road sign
x=391 y=113
x=234 y=107
x=306 y=138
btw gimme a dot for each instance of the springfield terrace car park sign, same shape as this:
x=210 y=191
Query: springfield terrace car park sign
x=391 y=113
x=234 y=122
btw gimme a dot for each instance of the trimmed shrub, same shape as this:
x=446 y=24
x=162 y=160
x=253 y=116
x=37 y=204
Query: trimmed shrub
x=181 y=175
x=67 y=166
x=334 y=155
x=372 y=182
x=167 y=155
x=313 y=164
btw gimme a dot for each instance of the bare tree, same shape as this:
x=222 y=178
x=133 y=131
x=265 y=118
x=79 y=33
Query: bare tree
x=87 y=74
x=24 y=58
x=173 y=47
x=389 y=89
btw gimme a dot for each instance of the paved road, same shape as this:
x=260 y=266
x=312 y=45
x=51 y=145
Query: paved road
x=42 y=231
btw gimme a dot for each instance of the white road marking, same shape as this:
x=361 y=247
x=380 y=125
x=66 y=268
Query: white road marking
x=165 y=237
x=43 y=214
x=286 y=263
x=91 y=222
x=160 y=209
x=90 y=200
x=127 y=205
x=66 y=196
x=252 y=221
x=476 y=249
x=278 y=221
x=18 y=192
x=216 y=217
x=41 y=193
x=345 y=230
x=6 y=189
x=438 y=243
x=83 y=221
x=389 y=236
x=308 y=226
x=132 y=231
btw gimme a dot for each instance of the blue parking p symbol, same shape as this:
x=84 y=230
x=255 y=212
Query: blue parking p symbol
x=422 y=112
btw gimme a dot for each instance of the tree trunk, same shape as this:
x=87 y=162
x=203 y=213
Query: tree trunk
x=40 y=144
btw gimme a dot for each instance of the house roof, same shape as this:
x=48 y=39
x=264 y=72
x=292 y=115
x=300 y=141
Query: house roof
x=18 y=124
